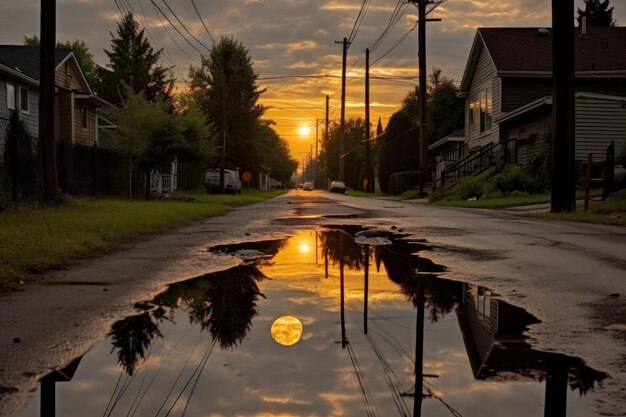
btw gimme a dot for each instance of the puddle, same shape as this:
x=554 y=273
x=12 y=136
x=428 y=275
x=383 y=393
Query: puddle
x=322 y=326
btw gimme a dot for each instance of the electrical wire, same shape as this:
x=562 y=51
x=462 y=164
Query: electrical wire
x=185 y=27
x=202 y=21
x=164 y=26
x=176 y=29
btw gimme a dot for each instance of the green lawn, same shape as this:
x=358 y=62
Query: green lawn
x=39 y=239
x=612 y=211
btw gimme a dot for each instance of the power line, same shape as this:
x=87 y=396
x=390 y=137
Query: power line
x=202 y=21
x=395 y=45
x=185 y=27
x=158 y=10
x=359 y=19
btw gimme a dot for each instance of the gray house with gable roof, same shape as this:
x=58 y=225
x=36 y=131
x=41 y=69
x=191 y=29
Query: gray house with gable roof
x=507 y=85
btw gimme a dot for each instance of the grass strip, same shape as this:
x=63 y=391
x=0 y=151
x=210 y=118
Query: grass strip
x=39 y=239
x=612 y=212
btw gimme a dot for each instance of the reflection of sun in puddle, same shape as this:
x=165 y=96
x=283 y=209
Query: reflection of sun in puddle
x=286 y=330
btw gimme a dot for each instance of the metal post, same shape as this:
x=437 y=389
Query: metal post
x=47 y=142
x=563 y=132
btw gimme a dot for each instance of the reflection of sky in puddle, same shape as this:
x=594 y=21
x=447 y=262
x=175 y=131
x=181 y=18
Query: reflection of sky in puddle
x=249 y=374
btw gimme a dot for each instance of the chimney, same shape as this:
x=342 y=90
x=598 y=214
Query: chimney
x=583 y=26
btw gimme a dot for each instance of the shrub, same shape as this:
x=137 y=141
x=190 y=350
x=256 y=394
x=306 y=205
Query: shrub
x=513 y=178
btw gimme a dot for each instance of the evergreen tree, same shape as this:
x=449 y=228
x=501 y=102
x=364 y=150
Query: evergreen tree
x=226 y=82
x=134 y=65
x=598 y=13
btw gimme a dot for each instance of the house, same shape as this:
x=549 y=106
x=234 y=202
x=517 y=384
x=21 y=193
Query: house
x=507 y=84
x=77 y=119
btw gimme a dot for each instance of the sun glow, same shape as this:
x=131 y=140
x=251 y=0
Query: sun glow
x=304 y=131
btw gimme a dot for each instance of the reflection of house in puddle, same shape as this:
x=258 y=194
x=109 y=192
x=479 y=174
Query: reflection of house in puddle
x=498 y=350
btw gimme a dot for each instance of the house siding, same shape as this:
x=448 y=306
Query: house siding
x=531 y=137
x=484 y=76
x=64 y=119
x=68 y=76
x=30 y=119
x=84 y=136
x=598 y=121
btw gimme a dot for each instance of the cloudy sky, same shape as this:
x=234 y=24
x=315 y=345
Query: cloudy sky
x=295 y=37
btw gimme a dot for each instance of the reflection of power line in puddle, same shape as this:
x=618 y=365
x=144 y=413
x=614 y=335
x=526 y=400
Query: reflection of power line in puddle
x=128 y=381
x=159 y=369
x=179 y=375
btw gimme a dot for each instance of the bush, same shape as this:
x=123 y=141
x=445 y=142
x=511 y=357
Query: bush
x=399 y=182
x=497 y=182
x=513 y=178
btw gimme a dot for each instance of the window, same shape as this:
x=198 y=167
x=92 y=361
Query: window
x=83 y=116
x=10 y=96
x=24 y=100
x=486 y=109
x=483 y=302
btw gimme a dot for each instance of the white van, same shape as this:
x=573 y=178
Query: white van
x=211 y=181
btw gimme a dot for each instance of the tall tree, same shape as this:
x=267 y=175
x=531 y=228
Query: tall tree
x=598 y=13
x=151 y=137
x=445 y=107
x=134 y=65
x=81 y=51
x=224 y=87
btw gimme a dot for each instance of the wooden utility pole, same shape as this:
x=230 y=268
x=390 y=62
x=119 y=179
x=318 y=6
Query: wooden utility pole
x=368 y=177
x=563 y=132
x=47 y=141
x=421 y=11
x=342 y=149
x=326 y=130
x=317 y=125
x=225 y=75
x=423 y=131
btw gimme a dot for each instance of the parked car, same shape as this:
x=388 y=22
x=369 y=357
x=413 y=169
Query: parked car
x=211 y=181
x=307 y=186
x=338 y=187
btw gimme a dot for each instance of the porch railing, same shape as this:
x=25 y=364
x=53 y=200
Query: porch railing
x=473 y=164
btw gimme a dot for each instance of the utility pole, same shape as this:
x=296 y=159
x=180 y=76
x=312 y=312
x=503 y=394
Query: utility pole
x=421 y=12
x=46 y=100
x=317 y=125
x=368 y=177
x=342 y=149
x=225 y=75
x=423 y=132
x=326 y=132
x=563 y=131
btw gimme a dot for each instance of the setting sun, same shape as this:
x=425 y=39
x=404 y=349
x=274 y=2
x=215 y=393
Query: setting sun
x=304 y=130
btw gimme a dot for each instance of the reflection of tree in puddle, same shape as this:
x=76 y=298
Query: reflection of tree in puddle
x=131 y=338
x=223 y=303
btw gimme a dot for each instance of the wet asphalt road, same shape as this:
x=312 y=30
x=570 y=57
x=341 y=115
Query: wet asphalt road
x=570 y=276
